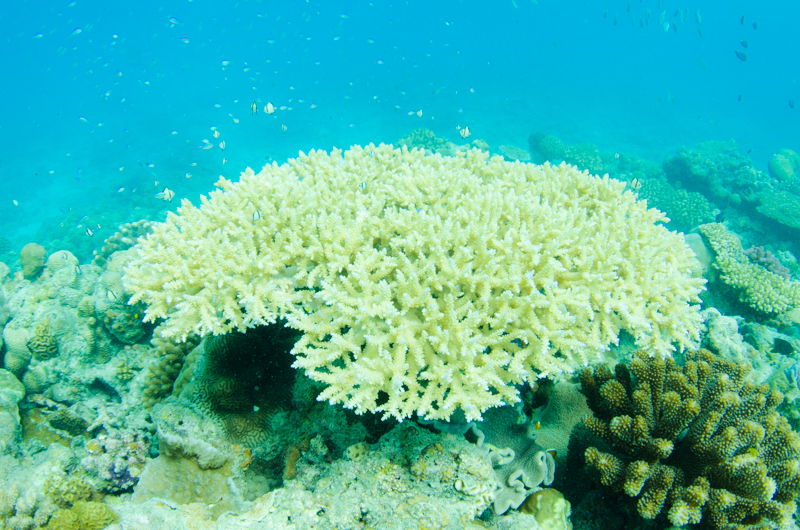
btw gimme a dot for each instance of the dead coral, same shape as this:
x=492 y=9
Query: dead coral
x=697 y=443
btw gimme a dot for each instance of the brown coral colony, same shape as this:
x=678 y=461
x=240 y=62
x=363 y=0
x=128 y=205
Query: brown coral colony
x=696 y=442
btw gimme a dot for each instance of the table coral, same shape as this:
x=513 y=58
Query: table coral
x=758 y=287
x=697 y=442
x=422 y=283
x=780 y=206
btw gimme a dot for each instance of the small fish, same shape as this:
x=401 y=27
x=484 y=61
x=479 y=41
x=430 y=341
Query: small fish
x=188 y=175
x=64 y=255
x=752 y=451
x=84 y=120
x=740 y=97
x=537 y=425
x=744 y=44
x=78 y=269
x=791 y=106
x=254 y=108
x=605 y=15
x=283 y=127
x=120 y=190
x=553 y=453
x=741 y=56
x=741 y=20
x=167 y=195
x=216 y=134
x=464 y=132
x=111 y=295
x=615 y=19
x=666 y=26
x=269 y=108
x=224 y=160
x=77 y=32
x=749 y=150
x=89 y=232
x=38 y=36
x=222 y=145
x=156 y=184
x=207 y=146
x=256 y=215
x=700 y=31
x=419 y=113
x=15 y=202
x=698 y=17
x=636 y=184
x=82 y=219
x=185 y=40
x=661 y=18
x=629 y=6
x=755 y=24
x=174 y=21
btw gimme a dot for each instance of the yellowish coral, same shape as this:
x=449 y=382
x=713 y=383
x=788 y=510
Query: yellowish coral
x=439 y=281
x=757 y=287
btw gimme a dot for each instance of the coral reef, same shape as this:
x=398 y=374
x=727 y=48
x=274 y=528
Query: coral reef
x=244 y=379
x=123 y=239
x=697 y=443
x=686 y=209
x=715 y=169
x=761 y=289
x=457 y=307
x=766 y=259
x=512 y=152
x=784 y=164
x=782 y=207
x=165 y=368
x=43 y=345
x=31 y=259
x=11 y=393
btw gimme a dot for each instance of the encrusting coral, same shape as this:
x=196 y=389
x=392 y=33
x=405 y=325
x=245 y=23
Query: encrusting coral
x=697 y=443
x=422 y=283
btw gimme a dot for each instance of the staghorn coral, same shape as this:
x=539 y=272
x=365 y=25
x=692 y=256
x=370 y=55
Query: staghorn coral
x=698 y=443
x=758 y=287
x=425 y=283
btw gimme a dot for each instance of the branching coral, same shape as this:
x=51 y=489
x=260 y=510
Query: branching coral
x=758 y=287
x=422 y=284
x=697 y=443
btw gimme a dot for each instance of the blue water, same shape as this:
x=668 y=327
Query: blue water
x=94 y=93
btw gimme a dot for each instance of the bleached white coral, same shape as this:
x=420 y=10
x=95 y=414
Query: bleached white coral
x=422 y=283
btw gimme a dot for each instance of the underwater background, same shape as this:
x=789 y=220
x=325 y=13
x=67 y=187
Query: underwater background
x=112 y=113
x=95 y=93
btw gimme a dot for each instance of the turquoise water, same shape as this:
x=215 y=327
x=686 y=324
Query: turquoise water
x=94 y=92
x=110 y=108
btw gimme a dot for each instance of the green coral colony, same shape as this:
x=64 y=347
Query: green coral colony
x=419 y=337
